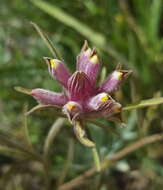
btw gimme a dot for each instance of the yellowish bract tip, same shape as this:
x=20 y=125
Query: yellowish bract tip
x=104 y=97
x=71 y=106
x=118 y=75
x=54 y=64
x=94 y=59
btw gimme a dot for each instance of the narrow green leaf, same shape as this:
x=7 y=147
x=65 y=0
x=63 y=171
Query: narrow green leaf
x=12 y=152
x=154 y=21
x=65 y=18
x=49 y=141
x=23 y=90
x=25 y=129
x=47 y=41
x=41 y=107
x=144 y=103
x=96 y=38
x=96 y=159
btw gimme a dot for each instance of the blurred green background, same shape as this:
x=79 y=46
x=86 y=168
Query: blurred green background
x=127 y=32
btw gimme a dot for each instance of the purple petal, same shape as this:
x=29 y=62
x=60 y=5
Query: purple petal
x=79 y=87
x=88 y=62
x=103 y=105
x=58 y=70
x=72 y=110
x=49 y=98
x=114 y=81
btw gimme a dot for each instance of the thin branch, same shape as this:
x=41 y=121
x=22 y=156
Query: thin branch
x=47 y=41
x=51 y=135
x=25 y=128
x=47 y=149
x=96 y=159
x=10 y=142
x=67 y=166
x=108 y=161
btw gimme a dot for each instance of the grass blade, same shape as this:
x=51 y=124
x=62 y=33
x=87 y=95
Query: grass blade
x=144 y=103
x=47 y=41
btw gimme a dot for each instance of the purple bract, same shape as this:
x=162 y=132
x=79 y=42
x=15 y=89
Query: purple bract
x=82 y=99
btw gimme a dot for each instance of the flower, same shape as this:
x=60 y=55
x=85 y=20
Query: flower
x=81 y=99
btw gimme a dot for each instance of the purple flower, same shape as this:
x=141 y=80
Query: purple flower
x=81 y=99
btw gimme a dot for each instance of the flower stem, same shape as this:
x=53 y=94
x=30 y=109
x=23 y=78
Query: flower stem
x=96 y=159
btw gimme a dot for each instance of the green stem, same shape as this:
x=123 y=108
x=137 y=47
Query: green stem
x=96 y=159
x=47 y=41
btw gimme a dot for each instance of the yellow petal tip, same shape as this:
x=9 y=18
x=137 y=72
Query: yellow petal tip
x=53 y=64
x=94 y=59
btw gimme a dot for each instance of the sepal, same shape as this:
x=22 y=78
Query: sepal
x=114 y=81
x=58 y=70
x=88 y=62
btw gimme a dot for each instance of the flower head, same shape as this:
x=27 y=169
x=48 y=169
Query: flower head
x=82 y=99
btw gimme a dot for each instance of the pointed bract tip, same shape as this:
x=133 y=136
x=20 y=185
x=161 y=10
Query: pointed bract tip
x=119 y=66
x=126 y=73
x=129 y=72
x=117 y=108
x=94 y=58
x=23 y=90
x=85 y=46
x=121 y=74
x=52 y=63
x=47 y=59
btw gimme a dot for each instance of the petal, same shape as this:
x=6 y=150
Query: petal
x=58 y=70
x=88 y=62
x=79 y=87
x=114 y=81
x=72 y=110
x=48 y=97
x=103 y=105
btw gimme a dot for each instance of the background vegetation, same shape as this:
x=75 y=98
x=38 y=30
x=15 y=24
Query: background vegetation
x=128 y=32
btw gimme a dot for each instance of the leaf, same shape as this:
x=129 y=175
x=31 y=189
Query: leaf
x=23 y=90
x=96 y=38
x=9 y=141
x=12 y=152
x=144 y=103
x=40 y=107
x=67 y=19
x=154 y=21
x=47 y=41
x=25 y=129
